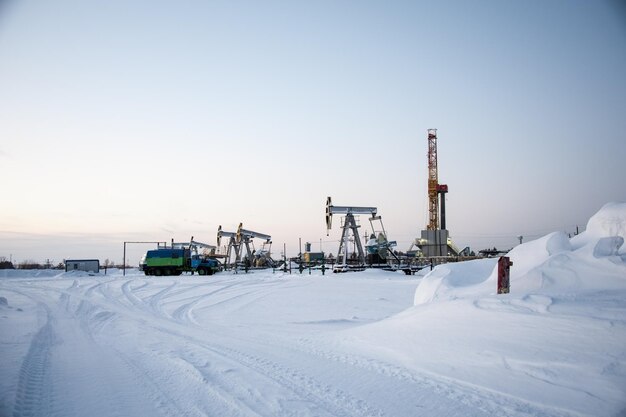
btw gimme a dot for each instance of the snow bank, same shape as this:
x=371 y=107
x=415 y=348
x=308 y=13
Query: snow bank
x=29 y=273
x=595 y=259
x=450 y=281
x=557 y=340
x=473 y=278
x=610 y=221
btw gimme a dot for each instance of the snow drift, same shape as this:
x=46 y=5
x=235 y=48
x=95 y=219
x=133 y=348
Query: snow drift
x=558 y=340
x=595 y=259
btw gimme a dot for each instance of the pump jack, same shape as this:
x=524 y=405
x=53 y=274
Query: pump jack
x=245 y=237
x=379 y=244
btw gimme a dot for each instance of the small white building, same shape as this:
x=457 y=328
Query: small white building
x=88 y=265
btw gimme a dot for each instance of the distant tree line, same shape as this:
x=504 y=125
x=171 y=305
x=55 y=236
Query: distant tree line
x=30 y=264
x=4 y=264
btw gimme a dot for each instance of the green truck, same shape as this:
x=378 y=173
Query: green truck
x=168 y=261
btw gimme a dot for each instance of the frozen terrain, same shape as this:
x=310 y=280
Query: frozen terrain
x=372 y=343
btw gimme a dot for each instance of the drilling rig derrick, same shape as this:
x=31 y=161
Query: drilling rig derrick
x=435 y=240
x=433 y=182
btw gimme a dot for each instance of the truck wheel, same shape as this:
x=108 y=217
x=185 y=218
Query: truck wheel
x=201 y=271
x=158 y=272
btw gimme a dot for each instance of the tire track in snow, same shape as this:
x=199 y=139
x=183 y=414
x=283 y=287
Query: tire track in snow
x=98 y=286
x=92 y=318
x=165 y=403
x=260 y=375
x=155 y=300
x=326 y=399
x=233 y=393
x=258 y=292
x=129 y=293
x=91 y=381
x=33 y=389
x=115 y=299
x=334 y=401
x=183 y=314
x=224 y=396
x=233 y=388
x=458 y=391
x=262 y=372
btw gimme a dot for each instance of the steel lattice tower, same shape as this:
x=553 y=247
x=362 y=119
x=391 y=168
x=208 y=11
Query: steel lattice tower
x=433 y=182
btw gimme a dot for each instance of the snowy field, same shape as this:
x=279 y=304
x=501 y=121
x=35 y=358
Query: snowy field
x=372 y=343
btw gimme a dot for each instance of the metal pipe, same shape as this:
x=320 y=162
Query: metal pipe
x=443 y=211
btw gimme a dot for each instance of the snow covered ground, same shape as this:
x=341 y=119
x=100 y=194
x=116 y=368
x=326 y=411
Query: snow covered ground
x=372 y=343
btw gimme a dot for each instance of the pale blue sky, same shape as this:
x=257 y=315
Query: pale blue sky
x=152 y=120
